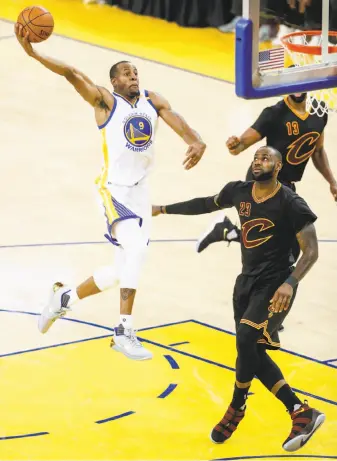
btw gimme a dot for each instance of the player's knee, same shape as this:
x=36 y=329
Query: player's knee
x=132 y=269
x=246 y=337
x=105 y=277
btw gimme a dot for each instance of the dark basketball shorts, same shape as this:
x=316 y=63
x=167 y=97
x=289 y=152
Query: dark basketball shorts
x=251 y=302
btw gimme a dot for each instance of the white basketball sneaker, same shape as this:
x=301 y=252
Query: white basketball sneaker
x=125 y=341
x=57 y=307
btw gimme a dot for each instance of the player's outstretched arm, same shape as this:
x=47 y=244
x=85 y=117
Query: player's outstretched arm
x=200 y=205
x=321 y=162
x=83 y=85
x=307 y=240
x=192 y=207
x=180 y=126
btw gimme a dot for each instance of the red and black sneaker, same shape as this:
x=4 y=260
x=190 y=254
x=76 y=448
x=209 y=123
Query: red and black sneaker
x=306 y=421
x=229 y=423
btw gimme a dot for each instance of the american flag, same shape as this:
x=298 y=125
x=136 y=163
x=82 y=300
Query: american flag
x=271 y=59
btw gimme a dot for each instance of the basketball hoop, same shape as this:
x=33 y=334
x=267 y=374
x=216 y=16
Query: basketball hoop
x=305 y=48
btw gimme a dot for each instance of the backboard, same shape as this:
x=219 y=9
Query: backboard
x=252 y=82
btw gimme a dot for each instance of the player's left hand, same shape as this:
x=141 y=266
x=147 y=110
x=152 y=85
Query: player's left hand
x=194 y=154
x=282 y=298
x=333 y=190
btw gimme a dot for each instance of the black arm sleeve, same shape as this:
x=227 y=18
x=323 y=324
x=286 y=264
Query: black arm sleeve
x=195 y=206
x=205 y=205
x=264 y=122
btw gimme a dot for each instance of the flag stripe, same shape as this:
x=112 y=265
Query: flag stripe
x=271 y=59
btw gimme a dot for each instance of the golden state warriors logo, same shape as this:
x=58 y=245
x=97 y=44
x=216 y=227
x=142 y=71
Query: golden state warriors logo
x=138 y=132
x=262 y=224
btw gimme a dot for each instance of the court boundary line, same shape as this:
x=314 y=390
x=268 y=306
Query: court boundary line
x=172 y=387
x=9 y=354
x=23 y=436
x=227 y=367
x=187 y=354
x=297 y=354
x=331 y=360
x=103 y=242
x=179 y=322
x=242 y=458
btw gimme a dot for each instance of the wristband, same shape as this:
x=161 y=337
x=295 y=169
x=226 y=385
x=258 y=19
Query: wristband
x=292 y=281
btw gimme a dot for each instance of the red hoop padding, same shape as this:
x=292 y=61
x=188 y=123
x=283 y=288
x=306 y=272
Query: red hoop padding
x=307 y=49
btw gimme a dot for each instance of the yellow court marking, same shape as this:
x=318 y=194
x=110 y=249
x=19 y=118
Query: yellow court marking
x=169 y=404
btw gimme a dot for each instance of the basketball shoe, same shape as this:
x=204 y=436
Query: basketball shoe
x=305 y=421
x=220 y=230
x=229 y=423
x=124 y=340
x=56 y=308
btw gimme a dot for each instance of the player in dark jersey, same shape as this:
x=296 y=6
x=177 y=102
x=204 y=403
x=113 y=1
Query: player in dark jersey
x=271 y=216
x=299 y=136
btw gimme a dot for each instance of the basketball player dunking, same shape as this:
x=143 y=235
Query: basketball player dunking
x=127 y=119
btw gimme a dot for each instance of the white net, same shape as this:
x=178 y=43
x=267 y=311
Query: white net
x=321 y=101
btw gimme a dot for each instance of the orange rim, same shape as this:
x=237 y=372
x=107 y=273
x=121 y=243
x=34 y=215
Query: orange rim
x=307 y=49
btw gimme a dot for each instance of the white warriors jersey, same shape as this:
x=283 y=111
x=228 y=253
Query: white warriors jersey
x=128 y=137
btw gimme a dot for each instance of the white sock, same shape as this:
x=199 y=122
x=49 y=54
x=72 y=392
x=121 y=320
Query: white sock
x=126 y=321
x=73 y=297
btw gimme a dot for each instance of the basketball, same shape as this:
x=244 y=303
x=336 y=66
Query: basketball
x=38 y=21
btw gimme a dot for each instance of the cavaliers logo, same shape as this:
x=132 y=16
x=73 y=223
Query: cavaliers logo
x=263 y=224
x=302 y=148
x=138 y=130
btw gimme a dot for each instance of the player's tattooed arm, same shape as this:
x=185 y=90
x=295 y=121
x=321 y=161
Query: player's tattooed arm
x=307 y=240
x=321 y=162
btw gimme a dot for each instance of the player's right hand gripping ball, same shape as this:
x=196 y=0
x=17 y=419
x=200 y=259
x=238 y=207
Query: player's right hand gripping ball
x=38 y=21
